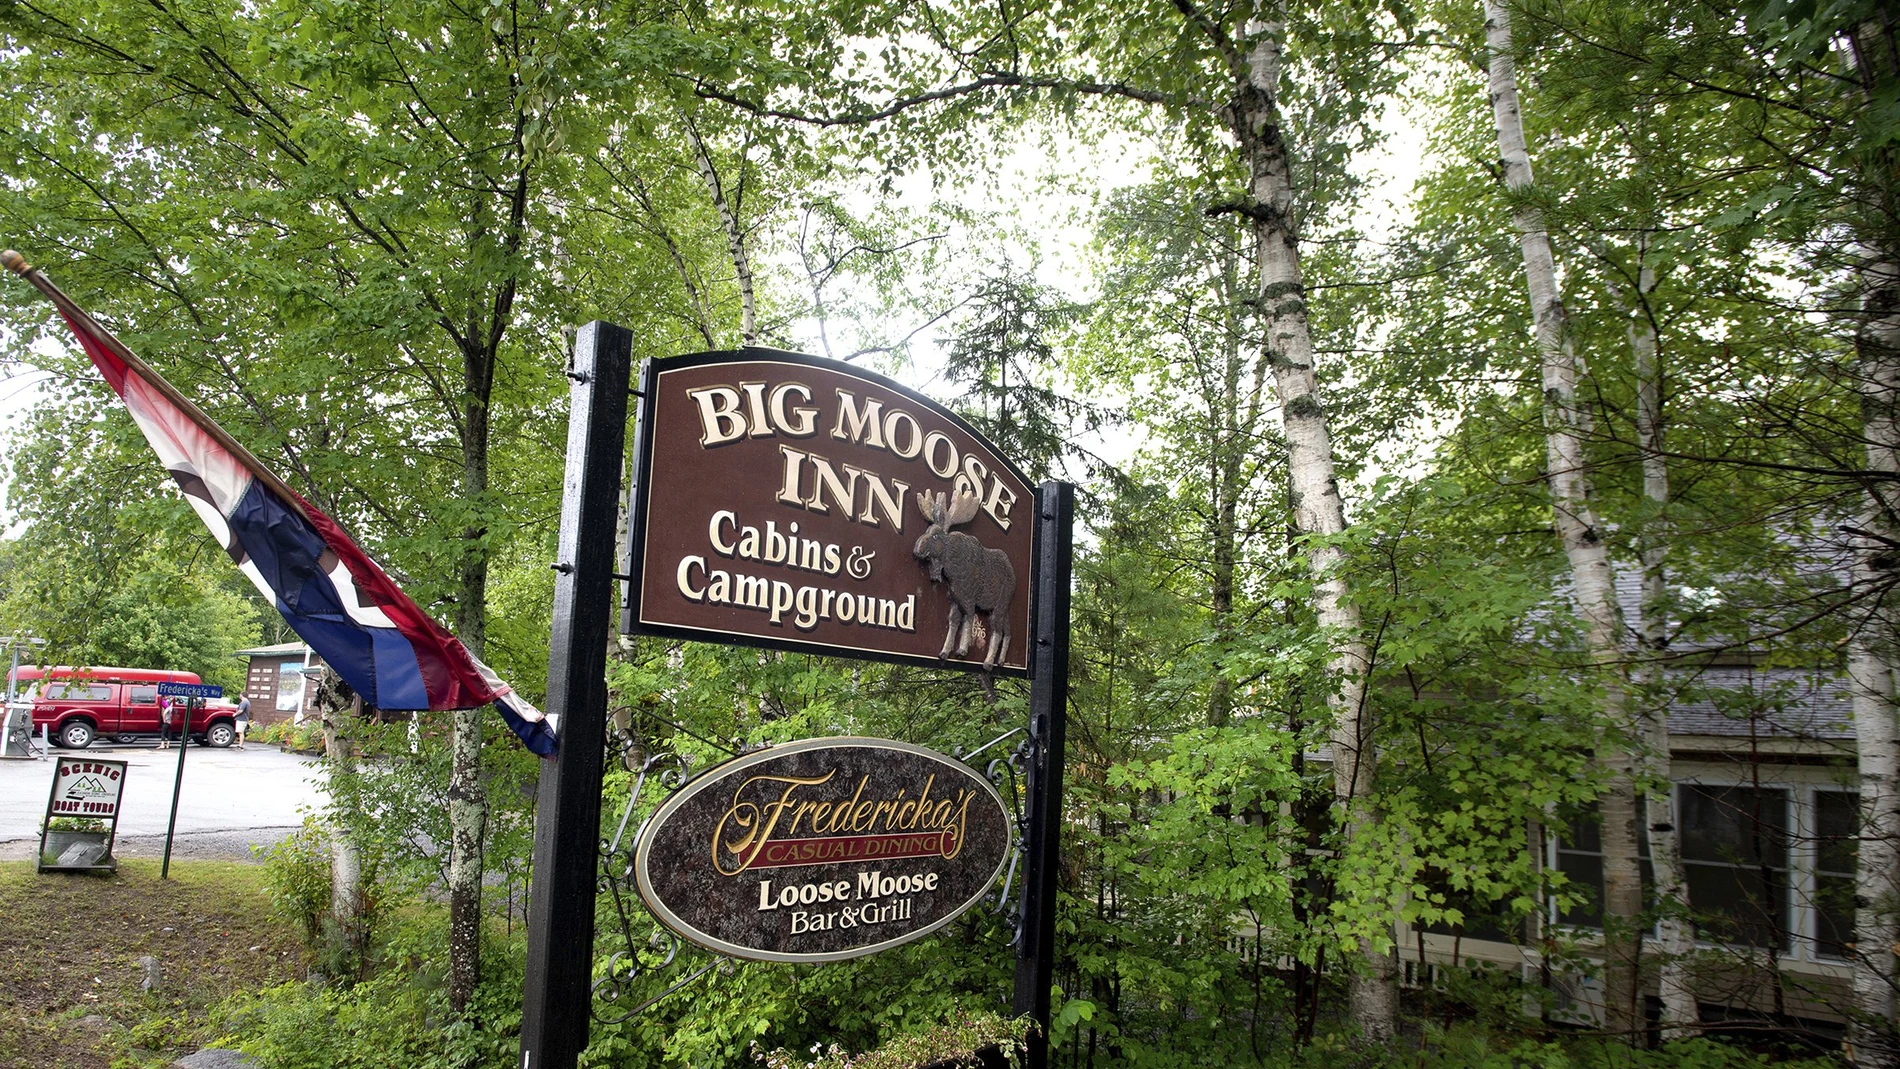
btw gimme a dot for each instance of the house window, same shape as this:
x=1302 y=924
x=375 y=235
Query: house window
x=1580 y=858
x=1768 y=866
x=1480 y=919
x=1735 y=861
x=1836 y=828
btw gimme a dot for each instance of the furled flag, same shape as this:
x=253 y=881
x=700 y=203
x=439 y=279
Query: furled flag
x=328 y=590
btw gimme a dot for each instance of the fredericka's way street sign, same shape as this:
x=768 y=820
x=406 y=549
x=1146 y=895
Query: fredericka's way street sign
x=804 y=504
x=822 y=850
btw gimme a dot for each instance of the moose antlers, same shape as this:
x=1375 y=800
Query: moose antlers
x=948 y=513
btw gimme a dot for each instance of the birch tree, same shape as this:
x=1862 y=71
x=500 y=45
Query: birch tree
x=1579 y=530
x=1873 y=47
x=1675 y=935
x=1224 y=71
x=346 y=932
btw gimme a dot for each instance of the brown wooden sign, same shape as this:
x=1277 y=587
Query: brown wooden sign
x=822 y=850
x=788 y=501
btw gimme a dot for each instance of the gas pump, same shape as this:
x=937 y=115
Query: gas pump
x=16 y=731
x=16 y=709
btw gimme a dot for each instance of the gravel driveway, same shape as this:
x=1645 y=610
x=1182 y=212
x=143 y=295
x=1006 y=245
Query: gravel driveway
x=231 y=800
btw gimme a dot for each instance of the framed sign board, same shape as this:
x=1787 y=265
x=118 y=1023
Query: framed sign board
x=82 y=815
x=822 y=850
x=798 y=503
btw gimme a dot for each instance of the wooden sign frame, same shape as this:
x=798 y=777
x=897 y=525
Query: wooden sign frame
x=745 y=458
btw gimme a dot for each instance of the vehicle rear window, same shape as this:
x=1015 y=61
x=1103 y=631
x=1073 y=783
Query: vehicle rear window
x=76 y=691
x=142 y=694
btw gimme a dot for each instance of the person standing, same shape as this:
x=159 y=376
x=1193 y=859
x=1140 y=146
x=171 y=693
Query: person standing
x=167 y=711
x=243 y=720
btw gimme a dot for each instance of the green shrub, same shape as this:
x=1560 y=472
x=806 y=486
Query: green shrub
x=377 y=1024
x=1476 y=1047
x=396 y=1019
x=306 y=737
x=297 y=879
x=955 y=1041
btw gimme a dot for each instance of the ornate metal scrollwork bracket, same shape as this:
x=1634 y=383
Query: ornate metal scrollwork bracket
x=656 y=958
x=1005 y=774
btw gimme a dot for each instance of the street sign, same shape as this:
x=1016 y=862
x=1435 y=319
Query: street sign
x=190 y=690
x=822 y=849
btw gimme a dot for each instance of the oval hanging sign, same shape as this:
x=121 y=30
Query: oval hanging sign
x=822 y=850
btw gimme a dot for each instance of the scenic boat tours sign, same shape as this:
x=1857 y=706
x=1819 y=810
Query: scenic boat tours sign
x=822 y=850
x=82 y=815
x=799 y=503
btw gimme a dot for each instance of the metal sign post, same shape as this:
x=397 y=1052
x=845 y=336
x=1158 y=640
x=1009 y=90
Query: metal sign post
x=178 y=782
x=194 y=695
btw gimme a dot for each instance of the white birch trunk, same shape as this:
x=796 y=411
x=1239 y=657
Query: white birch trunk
x=1871 y=664
x=347 y=904
x=468 y=816
x=1675 y=935
x=1566 y=424
x=1319 y=512
x=735 y=237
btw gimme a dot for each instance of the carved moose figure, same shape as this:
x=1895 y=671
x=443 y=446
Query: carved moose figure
x=980 y=578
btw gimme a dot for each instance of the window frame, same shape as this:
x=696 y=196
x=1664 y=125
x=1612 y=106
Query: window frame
x=1800 y=883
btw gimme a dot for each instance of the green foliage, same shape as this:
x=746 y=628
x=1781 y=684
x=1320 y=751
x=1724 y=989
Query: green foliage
x=297 y=879
x=1468 y=1047
x=396 y=1018
x=304 y=738
x=152 y=606
x=954 y=1042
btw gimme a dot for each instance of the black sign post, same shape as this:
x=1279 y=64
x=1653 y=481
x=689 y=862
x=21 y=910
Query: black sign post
x=1048 y=733
x=558 y=996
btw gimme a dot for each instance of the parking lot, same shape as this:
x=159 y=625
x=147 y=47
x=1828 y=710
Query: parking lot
x=231 y=800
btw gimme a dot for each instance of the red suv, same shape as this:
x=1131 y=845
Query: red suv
x=80 y=704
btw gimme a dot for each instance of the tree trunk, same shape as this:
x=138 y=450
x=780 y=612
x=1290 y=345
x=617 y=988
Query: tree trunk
x=1229 y=459
x=468 y=813
x=468 y=801
x=1675 y=935
x=1592 y=581
x=348 y=906
x=1318 y=510
x=1871 y=664
x=735 y=236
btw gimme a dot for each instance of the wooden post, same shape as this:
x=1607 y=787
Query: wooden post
x=558 y=992
x=1048 y=730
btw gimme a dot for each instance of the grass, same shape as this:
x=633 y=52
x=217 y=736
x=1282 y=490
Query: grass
x=70 y=946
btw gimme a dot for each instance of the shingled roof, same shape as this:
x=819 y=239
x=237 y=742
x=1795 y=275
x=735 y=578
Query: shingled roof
x=1736 y=702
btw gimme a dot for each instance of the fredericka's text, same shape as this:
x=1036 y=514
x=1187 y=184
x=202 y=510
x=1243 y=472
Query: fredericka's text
x=779 y=821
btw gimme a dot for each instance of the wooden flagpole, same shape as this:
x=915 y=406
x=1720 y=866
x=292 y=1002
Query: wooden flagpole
x=17 y=264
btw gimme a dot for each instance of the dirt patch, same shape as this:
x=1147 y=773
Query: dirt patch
x=70 y=975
